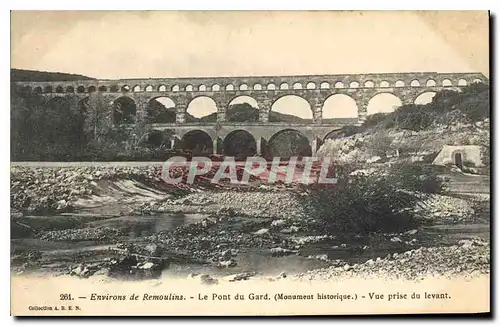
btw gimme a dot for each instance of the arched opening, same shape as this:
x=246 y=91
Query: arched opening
x=271 y=87
x=38 y=89
x=59 y=89
x=175 y=88
x=462 y=82
x=297 y=86
x=340 y=106
x=189 y=88
x=239 y=143
x=447 y=83
x=369 y=84
x=458 y=159
x=230 y=87
x=243 y=87
x=384 y=84
x=91 y=89
x=400 y=83
x=103 y=89
x=155 y=139
x=354 y=84
x=124 y=110
x=311 y=85
x=415 y=83
x=339 y=85
x=114 y=88
x=202 y=88
x=383 y=103
x=80 y=89
x=430 y=83
x=70 y=89
x=257 y=87
x=243 y=109
x=288 y=143
x=324 y=85
x=424 y=98
x=198 y=142
x=149 y=88
x=477 y=81
x=216 y=88
x=201 y=108
x=162 y=88
x=284 y=86
x=161 y=110
x=136 y=88
x=48 y=89
x=290 y=108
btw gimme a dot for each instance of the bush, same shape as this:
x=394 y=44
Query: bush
x=417 y=177
x=362 y=204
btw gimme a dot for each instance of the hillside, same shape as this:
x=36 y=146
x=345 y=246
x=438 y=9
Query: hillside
x=19 y=75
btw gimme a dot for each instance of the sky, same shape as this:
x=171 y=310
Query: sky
x=128 y=44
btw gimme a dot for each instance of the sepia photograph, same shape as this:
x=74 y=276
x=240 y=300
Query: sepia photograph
x=249 y=163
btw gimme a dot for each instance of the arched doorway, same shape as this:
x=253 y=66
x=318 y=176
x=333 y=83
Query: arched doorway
x=458 y=159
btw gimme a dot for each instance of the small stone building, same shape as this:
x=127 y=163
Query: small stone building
x=466 y=155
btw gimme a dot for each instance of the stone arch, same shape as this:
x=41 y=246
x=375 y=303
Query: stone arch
x=291 y=104
x=103 y=88
x=114 y=88
x=415 y=83
x=271 y=86
x=48 y=89
x=369 y=84
x=242 y=108
x=91 y=89
x=136 y=88
x=384 y=84
x=324 y=85
x=311 y=85
x=125 y=88
x=430 y=83
x=148 y=88
x=59 y=89
x=161 y=109
x=124 y=110
x=38 y=90
x=399 y=83
x=424 y=97
x=287 y=143
x=339 y=84
x=189 y=88
x=229 y=87
x=383 y=103
x=155 y=139
x=284 y=86
x=243 y=87
x=476 y=81
x=198 y=142
x=257 y=87
x=354 y=84
x=239 y=143
x=80 y=89
x=175 y=88
x=297 y=85
x=340 y=106
x=162 y=88
x=202 y=88
x=334 y=134
x=447 y=83
x=216 y=88
x=70 y=89
x=462 y=82
x=202 y=106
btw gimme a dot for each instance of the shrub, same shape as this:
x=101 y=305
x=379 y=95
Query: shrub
x=379 y=144
x=417 y=177
x=362 y=204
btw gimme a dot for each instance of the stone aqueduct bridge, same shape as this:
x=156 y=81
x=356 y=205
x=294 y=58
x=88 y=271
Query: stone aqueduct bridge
x=315 y=89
